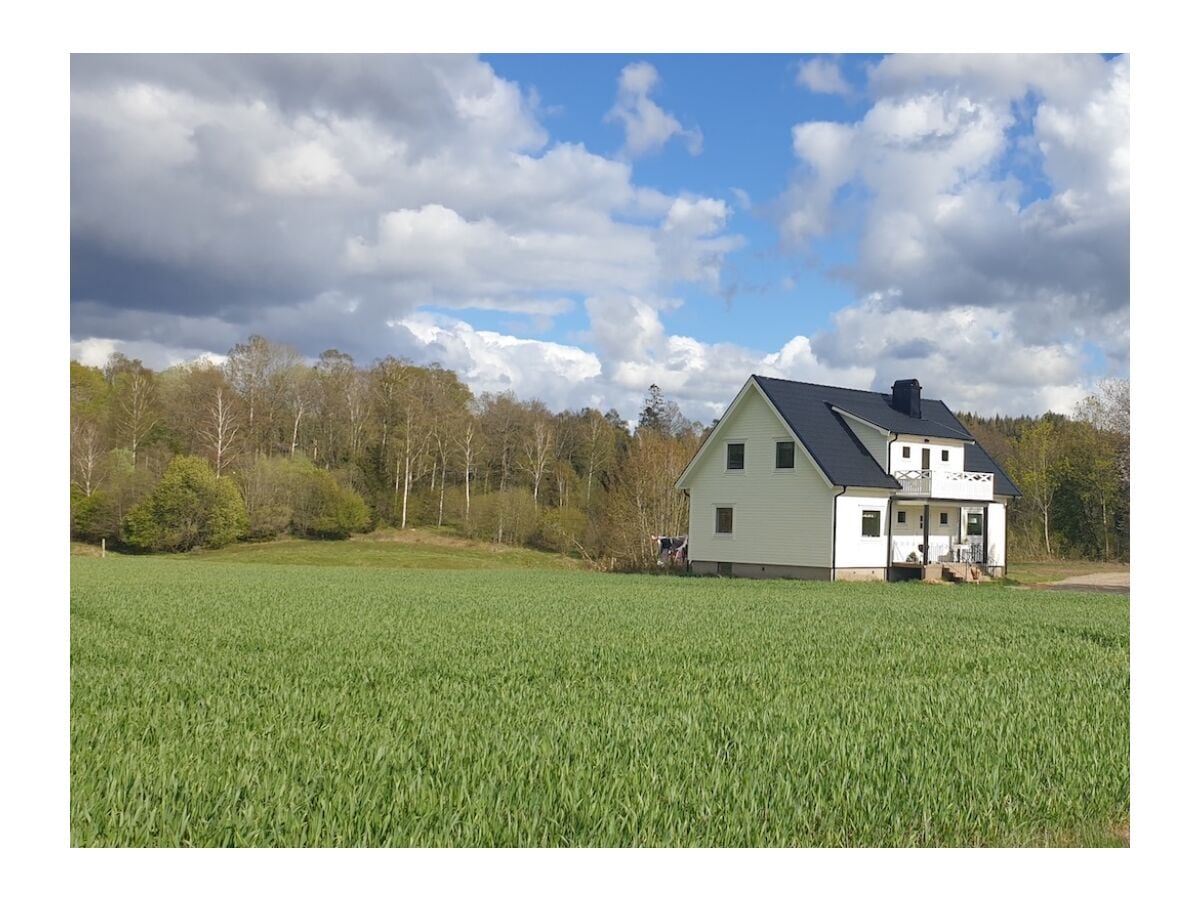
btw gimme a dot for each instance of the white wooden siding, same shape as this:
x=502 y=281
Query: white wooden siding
x=997 y=532
x=854 y=550
x=935 y=445
x=780 y=517
x=872 y=438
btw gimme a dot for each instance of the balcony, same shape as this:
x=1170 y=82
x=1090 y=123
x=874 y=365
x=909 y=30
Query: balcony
x=946 y=484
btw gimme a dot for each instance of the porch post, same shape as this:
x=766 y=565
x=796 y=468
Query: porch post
x=987 y=508
x=925 y=519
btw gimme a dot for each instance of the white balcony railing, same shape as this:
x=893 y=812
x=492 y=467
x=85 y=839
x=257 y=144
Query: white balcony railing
x=946 y=484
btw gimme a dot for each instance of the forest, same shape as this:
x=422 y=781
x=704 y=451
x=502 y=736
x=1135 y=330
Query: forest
x=268 y=444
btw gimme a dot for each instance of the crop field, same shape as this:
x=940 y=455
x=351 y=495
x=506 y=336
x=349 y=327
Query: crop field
x=234 y=703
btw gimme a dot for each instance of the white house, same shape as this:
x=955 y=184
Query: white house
x=802 y=480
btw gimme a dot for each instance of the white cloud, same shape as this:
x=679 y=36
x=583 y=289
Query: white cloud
x=558 y=374
x=821 y=76
x=948 y=235
x=974 y=358
x=316 y=198
x=691 y=242
x=96 y=351
x=647 y=125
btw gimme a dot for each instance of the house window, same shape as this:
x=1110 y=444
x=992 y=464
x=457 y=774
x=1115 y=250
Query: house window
x=975 y=524
x=725 y=569
x=943 y=518
x=870 y=523
x=906 y=452
x=735 y=457
x=785 y=455
x=724 y=520
x=901 y=517
x=945 y=456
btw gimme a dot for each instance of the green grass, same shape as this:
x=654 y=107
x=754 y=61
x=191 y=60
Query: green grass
x=391 y=551
x=216 y=703
x=385 y=549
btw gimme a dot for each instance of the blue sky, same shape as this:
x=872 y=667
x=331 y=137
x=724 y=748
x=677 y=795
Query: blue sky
x=575 y=228
x=747 y=104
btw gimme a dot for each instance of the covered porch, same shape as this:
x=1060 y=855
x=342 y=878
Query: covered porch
x=929 y=532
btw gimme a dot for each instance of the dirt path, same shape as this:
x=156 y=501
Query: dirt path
x=1107 y=582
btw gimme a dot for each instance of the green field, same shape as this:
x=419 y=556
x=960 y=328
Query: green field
x=223 y=702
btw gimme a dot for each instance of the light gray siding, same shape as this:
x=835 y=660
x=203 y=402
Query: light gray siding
x=780 y=517
x=872 y=438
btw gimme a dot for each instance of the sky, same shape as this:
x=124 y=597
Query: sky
x=575 y=228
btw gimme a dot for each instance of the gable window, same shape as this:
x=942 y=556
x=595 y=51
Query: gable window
x=870 y=523
x=735 y=457
x=975 y=524
x=785 y=454
x=901 y=517
x=724 y=520
x=943 y=518
x=906 y=452
x=945 y=456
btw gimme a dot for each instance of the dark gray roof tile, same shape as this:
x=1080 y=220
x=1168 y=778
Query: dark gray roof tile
x=808 y=410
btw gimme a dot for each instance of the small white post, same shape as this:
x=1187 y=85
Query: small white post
x=102 y=547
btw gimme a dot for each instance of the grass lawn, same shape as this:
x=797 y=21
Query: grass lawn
x=386 y=548
x=217 y=701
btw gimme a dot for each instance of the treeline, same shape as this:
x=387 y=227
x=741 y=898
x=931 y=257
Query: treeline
x=1074 y=475
x=267 y=444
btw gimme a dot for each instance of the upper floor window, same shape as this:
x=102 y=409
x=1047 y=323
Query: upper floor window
x=785 y=454
x=945 y=456
x=735 y=457
x=906 y=452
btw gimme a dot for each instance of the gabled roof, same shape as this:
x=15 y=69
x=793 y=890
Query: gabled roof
x=808 y=410
x=893 y=420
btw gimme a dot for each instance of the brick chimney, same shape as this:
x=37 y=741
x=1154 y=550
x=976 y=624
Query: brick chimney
x=906 y=397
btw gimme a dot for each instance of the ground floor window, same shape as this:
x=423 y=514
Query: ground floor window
x=724 y=520
x=944 y=518
x=870 y=523
x=975 y=524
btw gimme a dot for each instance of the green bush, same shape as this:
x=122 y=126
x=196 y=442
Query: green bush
x=509 y=516
x=323 y=507
x=95 y=517
x=190 y=507
x=560 y=529
x=269 y=486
